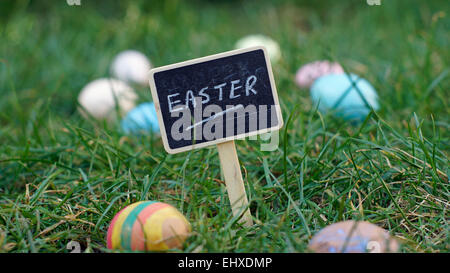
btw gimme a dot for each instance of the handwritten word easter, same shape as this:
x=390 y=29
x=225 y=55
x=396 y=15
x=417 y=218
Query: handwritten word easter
x=233 y=90
x=373 y=2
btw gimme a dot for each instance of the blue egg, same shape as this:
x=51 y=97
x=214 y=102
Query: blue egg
x=142 y=119
x=334 y=92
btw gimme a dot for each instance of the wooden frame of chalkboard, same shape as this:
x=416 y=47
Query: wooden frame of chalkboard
x=156 y=100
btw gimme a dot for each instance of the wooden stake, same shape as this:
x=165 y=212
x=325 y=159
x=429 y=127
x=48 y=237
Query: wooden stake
x=234 y=182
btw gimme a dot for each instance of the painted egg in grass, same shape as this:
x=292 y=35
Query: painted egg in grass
x=131 y=66
x=308 y=73
x=103 y=97
x=148 y=226
x=337 y=93
x=142 y=119
x=353 y=237
x=273 y=49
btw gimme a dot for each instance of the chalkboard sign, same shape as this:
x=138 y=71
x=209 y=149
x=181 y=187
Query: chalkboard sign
x=215 y=99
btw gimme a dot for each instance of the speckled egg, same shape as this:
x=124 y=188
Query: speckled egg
x=353 y=237
x=141 y=120
x=272 y=47
x=308 y=73
x=100 y=97
x=148 y=226
x=337 y=93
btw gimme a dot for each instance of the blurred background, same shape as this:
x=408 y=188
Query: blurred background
x=50 y=50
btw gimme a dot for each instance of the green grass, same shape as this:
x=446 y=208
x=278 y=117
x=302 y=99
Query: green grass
x=63 y=178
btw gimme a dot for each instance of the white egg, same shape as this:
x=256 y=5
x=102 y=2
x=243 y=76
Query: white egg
x=131 y=66
x=99 y=98
x=273 y=49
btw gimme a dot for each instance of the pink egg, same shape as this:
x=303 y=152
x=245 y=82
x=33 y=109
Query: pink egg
x=308 y=73
x=353 y=237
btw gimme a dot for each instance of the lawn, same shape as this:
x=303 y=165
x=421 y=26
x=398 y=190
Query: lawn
x=63 y=177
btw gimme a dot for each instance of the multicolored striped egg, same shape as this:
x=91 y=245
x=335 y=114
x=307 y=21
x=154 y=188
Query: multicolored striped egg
x=148 y=226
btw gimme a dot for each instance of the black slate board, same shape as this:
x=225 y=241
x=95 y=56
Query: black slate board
x=233 y=79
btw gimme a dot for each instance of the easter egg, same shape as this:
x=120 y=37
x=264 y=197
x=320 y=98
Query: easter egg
x=353 y=237
x=100 y=98
x=141 y=119
x=148 y=226
x=273 y=49
x=131 y=66
x=308 y=73
x=335 y=92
